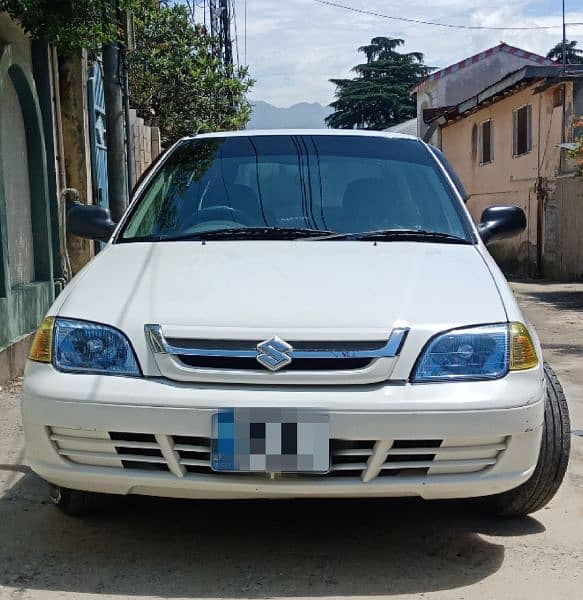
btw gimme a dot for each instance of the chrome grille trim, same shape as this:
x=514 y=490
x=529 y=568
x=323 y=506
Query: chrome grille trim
x=160 y=345
x=218 y=360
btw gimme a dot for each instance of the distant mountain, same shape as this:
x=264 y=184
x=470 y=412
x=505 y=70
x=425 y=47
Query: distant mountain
x=304 y=115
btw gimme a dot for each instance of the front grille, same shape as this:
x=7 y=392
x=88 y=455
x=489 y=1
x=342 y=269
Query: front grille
x=296 y=362
x=251 y=345
x=185 y=456
x=341 y=362
x=251 y=364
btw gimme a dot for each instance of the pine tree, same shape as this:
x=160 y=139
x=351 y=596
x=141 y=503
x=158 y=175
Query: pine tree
x=573 y=55
x=379 y=96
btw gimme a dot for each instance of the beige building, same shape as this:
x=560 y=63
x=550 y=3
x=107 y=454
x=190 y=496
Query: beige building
x=454 y=84
x=504 y=144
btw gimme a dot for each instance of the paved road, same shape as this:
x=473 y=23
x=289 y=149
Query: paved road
x=404 y=549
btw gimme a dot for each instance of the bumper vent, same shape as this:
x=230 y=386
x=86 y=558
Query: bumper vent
x=184 y=456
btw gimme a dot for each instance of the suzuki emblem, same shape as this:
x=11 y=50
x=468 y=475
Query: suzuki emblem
x=274 y=353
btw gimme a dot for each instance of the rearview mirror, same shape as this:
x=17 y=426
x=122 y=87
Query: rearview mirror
x=90 y=221
x=501 y=222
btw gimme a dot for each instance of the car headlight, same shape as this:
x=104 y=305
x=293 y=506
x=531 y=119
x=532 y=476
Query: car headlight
x=84 y=347
x=474 y=353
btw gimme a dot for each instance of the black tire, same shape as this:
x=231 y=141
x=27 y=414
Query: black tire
x=550 y=469
x=77 y=503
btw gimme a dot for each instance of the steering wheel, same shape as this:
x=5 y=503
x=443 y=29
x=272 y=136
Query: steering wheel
x=223 y=213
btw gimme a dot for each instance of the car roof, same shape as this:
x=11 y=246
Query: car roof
x=343 y=132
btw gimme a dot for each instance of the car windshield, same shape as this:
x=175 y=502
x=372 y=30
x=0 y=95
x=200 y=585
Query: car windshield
x=293 y=186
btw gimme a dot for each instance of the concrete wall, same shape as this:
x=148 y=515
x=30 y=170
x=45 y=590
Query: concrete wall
x=563 y=248
x=146 y=145
x=16 y=188
x=508 y=179
x=26 y=249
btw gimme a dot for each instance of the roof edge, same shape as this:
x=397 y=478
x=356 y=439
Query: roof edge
x=528 y=73
x=466 y=62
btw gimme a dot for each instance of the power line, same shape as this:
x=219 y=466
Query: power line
x=245 y=28
x=435 y=24
x=234 y=15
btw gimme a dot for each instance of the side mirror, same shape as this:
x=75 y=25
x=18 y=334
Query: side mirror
x=90 y=221
x=501 y=222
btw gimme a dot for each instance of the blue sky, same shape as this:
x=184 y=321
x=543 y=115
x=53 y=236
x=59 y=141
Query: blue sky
x=295 y=46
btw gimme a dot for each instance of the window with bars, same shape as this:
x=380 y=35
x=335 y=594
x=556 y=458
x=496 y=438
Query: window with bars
x=522 y=130
x=486 y=142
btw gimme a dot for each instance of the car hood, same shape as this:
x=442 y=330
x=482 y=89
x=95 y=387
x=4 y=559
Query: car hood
x=311 y=290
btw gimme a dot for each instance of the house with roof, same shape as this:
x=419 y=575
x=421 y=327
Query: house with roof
x=464 y=79
x=507 y=141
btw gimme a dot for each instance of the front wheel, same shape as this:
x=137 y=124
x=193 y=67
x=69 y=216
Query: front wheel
x=550 y=469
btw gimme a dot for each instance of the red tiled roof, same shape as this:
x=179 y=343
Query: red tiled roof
x=502 y=47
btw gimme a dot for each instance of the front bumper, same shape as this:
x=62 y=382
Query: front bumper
x=147 y=436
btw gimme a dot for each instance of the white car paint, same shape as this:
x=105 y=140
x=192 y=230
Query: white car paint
x=298 y=290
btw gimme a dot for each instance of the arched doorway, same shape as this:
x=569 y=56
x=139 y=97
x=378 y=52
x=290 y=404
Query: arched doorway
x=26 y=277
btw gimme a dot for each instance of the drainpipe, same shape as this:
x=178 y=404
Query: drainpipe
x=128 y=125
x=114 y=122
x=540 y=198
x=540 y=203
x=58 y=126
x=432 y=128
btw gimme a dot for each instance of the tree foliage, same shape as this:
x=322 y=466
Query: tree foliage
x=573 y=55
x=69 y=25
x=177 y=83
x=378 y=97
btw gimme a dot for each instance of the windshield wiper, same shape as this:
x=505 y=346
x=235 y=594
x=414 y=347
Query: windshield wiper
x=398 y=235
x=265 y=233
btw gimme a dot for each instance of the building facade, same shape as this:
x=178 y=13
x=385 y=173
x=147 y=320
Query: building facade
x=455 y=83
x=28 y=202
x=52 y=137
x=505 y=144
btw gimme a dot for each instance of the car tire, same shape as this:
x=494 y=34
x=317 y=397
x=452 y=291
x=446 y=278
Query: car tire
x=537 y=492
x=76 y=503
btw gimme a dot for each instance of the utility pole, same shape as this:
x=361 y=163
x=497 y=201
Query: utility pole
x=225 y=35
x=214 y=18
x=117 y=184
x=564 y=42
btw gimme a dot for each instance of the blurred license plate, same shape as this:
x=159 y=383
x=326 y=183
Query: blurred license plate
x=271 y=440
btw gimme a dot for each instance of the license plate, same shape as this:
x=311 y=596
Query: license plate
x=271 y=440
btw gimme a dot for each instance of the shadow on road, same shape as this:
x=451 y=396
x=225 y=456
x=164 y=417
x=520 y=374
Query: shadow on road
x=568 y=299
x=155 y=547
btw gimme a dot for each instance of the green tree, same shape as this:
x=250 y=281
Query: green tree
x=176 y=81
x=573 y=55
x=69 y=25
x=378 y=97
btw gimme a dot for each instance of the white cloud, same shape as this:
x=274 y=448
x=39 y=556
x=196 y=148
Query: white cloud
x=295 y=46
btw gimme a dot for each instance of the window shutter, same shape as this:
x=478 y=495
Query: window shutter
x=529 y=128
x=514 y=132
x=491 y=140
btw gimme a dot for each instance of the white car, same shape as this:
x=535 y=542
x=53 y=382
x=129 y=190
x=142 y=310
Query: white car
x=294 y=314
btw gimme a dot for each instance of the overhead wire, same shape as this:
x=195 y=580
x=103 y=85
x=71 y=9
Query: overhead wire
x=438 y=24
x=234 y=13
x=245 y=30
